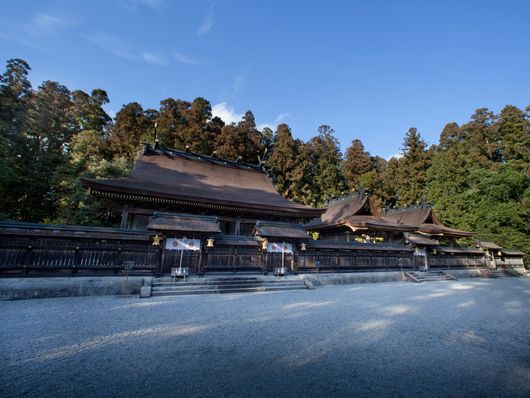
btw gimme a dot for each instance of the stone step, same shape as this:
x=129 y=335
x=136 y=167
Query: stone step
x=223 y=287
x=234 y=283
x=181 y=292
x=227 y=283
x=428 y=276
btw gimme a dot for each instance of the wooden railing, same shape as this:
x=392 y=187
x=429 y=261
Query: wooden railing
x=57 y=249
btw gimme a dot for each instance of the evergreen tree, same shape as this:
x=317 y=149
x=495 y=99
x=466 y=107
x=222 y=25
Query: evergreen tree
x=131 y=127
x=357 y=163
x=282 y=162
x=326 y=159
x=241 y=140
x=412 y=168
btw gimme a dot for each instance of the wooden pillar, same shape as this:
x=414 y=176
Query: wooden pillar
x=124 y=217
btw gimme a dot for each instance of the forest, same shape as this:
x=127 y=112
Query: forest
x=477 y=176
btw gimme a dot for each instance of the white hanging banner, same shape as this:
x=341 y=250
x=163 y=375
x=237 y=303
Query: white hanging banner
x=280 y=247
x=183 y=244
x=420 y=252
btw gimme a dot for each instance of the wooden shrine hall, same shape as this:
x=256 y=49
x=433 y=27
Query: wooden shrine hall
x=207 y=214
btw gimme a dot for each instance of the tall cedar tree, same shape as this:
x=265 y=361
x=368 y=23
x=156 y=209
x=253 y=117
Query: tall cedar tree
x=283 y=160
x=240 y=141
x=357 y=163
x=412 y=168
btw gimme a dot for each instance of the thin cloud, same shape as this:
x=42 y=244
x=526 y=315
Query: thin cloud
x=208 y=21
x=33 y=32
x=156 y=5
x=238 y=83
x=261 y=126
x=122 y=49
x=152 y=58
x=279 y=119
x=21 y=40
x=45 y=22
x=184 y=59
x=282 y=116
x=114 y=45
x=226 y=112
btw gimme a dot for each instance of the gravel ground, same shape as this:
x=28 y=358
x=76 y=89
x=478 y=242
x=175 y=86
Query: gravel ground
x=439 y=339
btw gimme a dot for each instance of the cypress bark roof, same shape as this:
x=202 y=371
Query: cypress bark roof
x=425 y=221
x=269 y=229
x=177 y=177
x=488 y=245
x=356 y=212
x=458 y=250
x=183 y=223
x=421 y=240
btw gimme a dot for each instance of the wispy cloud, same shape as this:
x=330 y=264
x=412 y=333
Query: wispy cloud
x=282 y=116
x=21 y=40
x=208 y=21
x=122 y=49
x=185 y=59
x=226 y=112
x=114 y=45
x=238 y=83
x=42 y=22
x=33 y=32
x=156 y=5
x=152 y=58
x=261 y=126
x=279 y=119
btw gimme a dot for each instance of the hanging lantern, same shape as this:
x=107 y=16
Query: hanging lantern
x=303 y=247
x=264 y=244
x=209 y=242
x=156 y=240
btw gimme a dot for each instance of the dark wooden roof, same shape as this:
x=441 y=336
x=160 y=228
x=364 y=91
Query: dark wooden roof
x=342 y=245
x=12 y=228
x=269 y=229
x=516 y=253
x=421 y=240
x=229 y=240
x=183 y=223
x=425 y=221
x=182 y=178
x=356 y=212
x=458 y=250
x=488 y=245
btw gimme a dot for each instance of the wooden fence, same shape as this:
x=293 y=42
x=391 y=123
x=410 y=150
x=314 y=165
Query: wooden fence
x=45 y=249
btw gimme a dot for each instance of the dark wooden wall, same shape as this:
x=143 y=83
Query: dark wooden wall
x=45 y=250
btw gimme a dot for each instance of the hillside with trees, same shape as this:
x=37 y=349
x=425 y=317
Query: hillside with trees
x=477 y=177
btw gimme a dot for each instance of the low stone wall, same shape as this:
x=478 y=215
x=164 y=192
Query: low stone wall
x=28 y=288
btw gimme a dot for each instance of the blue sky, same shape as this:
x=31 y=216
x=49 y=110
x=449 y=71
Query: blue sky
x=370 y=69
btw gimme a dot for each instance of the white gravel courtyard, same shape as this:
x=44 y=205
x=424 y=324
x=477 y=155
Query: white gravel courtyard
x=468 y=338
